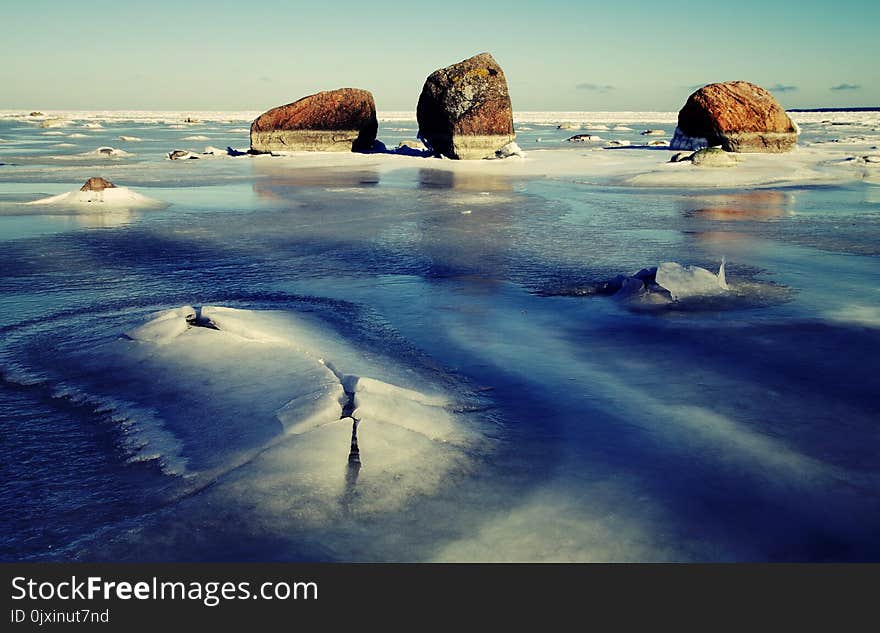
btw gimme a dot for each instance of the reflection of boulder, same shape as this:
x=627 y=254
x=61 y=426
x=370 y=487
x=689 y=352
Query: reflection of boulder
x=747 y=205
x=341 y=120
x=463 y=181
x=737 y=115
x=464 y=110
x=281 y=182
x=465 y=226
x=106 y=219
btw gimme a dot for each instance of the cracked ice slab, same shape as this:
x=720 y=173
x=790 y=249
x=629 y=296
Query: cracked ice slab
x=248 y=379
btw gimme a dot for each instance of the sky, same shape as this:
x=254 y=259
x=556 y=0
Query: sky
x=557 y=55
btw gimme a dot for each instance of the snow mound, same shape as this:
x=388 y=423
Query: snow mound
x=108 y=199
x=164 y=326
x=511 y=149
x=107 y=152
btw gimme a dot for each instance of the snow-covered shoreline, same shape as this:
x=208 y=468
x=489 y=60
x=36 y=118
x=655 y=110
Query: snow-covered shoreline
x=535 y=117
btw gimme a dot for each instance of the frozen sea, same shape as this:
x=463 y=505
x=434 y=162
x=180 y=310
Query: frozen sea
x=181 y=379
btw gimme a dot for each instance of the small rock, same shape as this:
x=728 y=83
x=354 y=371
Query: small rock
x=180 y=154
x=412 y=144
x=110 y=151
x=97 y=183
x=680 y=157
x=583 y=138
x=713 y=157
x=647 y=275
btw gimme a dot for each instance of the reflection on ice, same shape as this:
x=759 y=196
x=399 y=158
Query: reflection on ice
x=281 y=181
x=433 y=178
x=744 y=205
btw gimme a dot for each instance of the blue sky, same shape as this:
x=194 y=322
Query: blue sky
x=625 y=55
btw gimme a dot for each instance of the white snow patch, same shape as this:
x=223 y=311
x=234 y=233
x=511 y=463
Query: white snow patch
x=108 y=199
x=857 y=314
x=163 y=326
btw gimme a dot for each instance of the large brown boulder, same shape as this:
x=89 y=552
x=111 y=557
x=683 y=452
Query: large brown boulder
x=341 y=120
x=737 y=115
x=464 y=110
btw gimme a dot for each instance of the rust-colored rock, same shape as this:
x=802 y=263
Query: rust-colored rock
x=97 y=184
x=464 y=110
x=737 y=115
x=335 y=120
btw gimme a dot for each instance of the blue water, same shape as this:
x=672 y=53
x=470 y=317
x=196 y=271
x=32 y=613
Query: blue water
x=744 y=429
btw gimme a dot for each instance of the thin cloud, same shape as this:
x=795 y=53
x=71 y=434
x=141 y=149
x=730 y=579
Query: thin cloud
x=594 y=87
x=844 y=86
x=782 y=88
